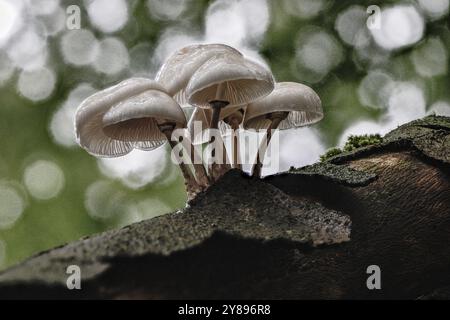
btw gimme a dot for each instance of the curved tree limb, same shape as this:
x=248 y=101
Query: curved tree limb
x=309 y=233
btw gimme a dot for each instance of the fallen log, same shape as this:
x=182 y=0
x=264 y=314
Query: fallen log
x=310 y=233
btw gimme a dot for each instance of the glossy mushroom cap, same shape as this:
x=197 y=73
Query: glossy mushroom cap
x=175 y=73
x=302 y=103
x=138 y=118
x=242 y=81
x=89 y=119
x=204 y=117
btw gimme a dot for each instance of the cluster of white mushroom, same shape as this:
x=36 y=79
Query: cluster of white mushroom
x=221 y=84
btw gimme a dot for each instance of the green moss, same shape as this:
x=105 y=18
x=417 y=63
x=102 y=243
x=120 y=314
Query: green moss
x=355 y=142
x=330 y=154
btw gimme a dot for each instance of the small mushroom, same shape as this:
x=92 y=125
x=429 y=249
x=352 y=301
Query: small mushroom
x=227 y=81
x=290 y=105
x=89 y=119
x=151 y=116
x=177 y=70
x=136 y=113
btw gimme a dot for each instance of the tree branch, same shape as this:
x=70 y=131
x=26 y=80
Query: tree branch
x=309 y=233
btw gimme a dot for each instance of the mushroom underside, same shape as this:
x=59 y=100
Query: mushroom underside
x=236 y=92
x=134 y=130
x=92 y=138
x=295 y=119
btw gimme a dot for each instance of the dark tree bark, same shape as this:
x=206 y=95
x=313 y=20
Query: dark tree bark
x=310 y=233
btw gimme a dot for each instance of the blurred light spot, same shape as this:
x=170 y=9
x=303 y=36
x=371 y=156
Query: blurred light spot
x=167 y=10
x=2 y=253
x=370 y=55
x=152 y=207
x=361 y=128
x=29 y=49
x=317 y=54
x=137 y=168
x=374 y=89
x=113 y=57
x=236 y=22
x=240 y=23
x=298 y=148
x=440 y=108
x=108 y=15
x=44 y=179
x=10 y=19
x=42 y=7
x=170 y=41
x=62 y=123
x=140 y=59
x=103 y=200
x=435 y=9
x=255 y=56
x=401 y=26
x=256 y=15
x=55 y=22
x=224 y=23
x=406 y=103
x=430 y=59
x=12 y=205
x=305 y=9
x=79 y=47
x=37 y=85
x=168 y=178
x=351 y=26
x=6 y=68
x=129 y=214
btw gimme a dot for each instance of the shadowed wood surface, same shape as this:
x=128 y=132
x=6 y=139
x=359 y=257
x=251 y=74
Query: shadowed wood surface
x=310 y=233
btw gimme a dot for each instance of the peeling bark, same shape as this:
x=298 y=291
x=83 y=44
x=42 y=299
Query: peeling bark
x=310 y=233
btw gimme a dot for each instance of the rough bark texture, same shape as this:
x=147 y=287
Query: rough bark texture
x=310 y=233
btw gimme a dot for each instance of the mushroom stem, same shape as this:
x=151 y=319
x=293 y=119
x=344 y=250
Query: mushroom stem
x=192 y=187
x=218 y=169
x=275 y=120
x=236 y=157
x=200 y=171
x=216 y=107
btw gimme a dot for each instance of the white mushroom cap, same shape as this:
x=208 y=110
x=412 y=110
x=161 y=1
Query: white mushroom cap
x=137 y=118
x=89 y=118
x=175 y=73
x=242 y=81
x=302 y=103
x=204 y=117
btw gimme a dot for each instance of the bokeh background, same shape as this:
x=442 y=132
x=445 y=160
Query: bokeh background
x=51 y=192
